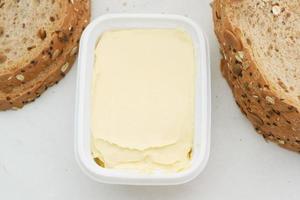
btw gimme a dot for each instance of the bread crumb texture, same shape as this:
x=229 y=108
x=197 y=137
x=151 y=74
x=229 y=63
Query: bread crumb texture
x=38 y=42
x=260 y=44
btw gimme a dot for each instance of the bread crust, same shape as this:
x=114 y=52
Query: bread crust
x=273 y=118
x=28 y=92
x=22 y=73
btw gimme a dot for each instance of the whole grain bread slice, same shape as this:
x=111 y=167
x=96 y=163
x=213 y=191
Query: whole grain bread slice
x=52 y=73
x=260 y=43
x=33 y=34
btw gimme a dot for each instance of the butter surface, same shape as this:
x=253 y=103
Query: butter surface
x=143 y=95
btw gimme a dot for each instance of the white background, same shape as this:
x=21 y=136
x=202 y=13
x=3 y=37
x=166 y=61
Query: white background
x=36 y=143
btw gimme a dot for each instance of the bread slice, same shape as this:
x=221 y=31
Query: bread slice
x=32 y=89
x=260 y=43
x=33 y=34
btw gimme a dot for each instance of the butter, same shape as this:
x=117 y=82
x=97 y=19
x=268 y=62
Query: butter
x=143 y=100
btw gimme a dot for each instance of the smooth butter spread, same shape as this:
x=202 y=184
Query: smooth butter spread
x=143 y=100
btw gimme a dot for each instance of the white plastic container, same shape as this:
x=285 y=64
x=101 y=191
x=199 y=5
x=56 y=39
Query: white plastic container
x=201 y=147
